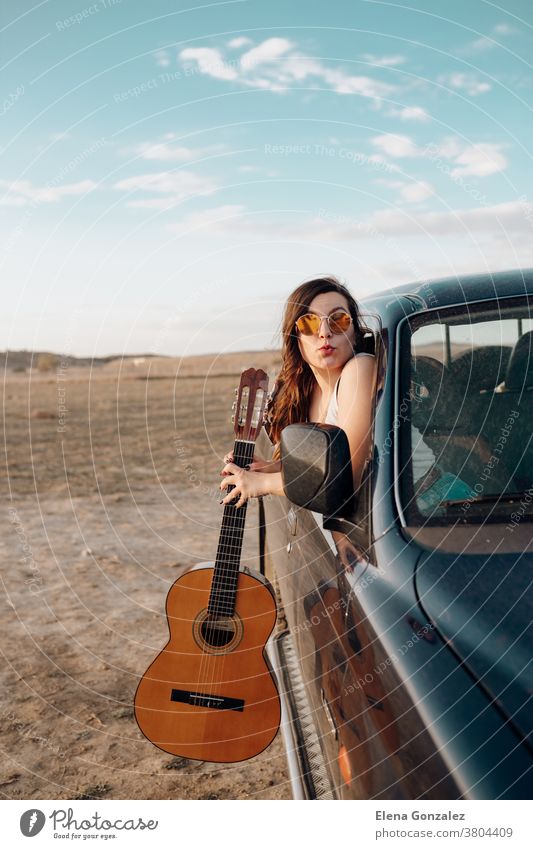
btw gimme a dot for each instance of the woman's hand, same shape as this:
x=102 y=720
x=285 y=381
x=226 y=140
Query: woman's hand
x=248 y=484
x=258 y=464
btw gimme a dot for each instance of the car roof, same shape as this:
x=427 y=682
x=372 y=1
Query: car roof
x=463 y=288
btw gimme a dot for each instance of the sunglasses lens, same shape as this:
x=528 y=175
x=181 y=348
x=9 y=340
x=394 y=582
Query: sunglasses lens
x=339 y=322
x=308 y=324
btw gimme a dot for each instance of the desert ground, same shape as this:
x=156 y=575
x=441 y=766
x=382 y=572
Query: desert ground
x=110 y=491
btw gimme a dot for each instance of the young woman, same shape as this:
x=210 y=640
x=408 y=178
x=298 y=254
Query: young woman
x=324 y=377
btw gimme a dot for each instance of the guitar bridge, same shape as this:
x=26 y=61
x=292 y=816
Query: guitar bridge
x=206 y=700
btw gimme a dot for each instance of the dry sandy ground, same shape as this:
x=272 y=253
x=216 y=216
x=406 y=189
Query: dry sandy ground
x=98 y=521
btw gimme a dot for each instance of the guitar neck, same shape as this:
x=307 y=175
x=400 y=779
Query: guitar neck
x=226 y=573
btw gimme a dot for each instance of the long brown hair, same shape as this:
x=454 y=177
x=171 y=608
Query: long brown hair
x=291 y=396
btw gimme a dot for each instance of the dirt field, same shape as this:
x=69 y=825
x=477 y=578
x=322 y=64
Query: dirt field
x=105 y=503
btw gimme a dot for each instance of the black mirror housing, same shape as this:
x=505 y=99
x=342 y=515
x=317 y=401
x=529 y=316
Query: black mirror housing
x=316 y=468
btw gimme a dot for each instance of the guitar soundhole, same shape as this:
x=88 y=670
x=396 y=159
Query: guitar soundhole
x=219 y=634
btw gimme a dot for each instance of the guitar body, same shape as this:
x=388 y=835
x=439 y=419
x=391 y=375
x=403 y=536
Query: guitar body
x=210 y=694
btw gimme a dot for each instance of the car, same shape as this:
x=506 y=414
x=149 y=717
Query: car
x=405 y=645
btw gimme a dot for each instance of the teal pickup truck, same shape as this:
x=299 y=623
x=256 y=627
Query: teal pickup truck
x=404 y=657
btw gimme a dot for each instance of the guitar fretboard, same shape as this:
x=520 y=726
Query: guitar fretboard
x=226 y=573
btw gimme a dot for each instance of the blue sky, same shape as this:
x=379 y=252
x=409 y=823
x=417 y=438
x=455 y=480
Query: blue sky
x=170 y=171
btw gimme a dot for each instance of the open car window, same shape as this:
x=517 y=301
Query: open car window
x=466 y=446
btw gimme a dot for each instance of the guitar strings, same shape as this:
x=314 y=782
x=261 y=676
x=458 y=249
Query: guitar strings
x=222 y=598
x=226 y=567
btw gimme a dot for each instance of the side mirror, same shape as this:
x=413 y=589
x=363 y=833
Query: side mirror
x=316 y=468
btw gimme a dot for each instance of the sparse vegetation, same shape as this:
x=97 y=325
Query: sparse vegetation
x=47 y=362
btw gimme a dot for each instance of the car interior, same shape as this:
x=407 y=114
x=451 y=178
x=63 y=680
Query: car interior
x=477 y=407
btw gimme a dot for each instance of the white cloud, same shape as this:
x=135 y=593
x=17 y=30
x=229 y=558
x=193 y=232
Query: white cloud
x=479 y=45
x=162 y=58
x=449 y=148
x=480 y=160
x=507 y=220
x=268 y=51
x=383 y=61
x=380 y=161
x=410 y=113
x=417 y=192
x=23 y=192
x=210 y=61
x=275 y=65
x=414 y=191
x=344 y=84
x=486 y=42
x=465 y=82
x=166 y=152
x=504 y=29
x=395 y=145
x=414 y=113
x=241 y=41
x=170 y=188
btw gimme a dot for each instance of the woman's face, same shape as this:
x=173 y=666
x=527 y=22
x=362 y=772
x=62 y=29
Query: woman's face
x=324 y=349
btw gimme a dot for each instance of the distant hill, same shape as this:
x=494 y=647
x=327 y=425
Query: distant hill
x=16 y=360
x=139 y=365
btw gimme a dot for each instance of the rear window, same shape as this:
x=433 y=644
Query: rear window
x=466 y=413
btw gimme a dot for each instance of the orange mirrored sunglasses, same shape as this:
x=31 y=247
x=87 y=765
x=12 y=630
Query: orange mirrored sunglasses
x=309 y=324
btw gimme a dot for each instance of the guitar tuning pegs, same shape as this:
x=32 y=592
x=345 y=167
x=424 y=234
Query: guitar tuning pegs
x=236 y=391
x=232 y=420
x=234 y=405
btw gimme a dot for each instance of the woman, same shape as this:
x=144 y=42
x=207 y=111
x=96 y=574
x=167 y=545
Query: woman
x=324 y=377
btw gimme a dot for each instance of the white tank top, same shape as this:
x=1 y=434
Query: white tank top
x=332 y=413
x=422 y=455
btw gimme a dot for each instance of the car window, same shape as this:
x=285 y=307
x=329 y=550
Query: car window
x=466 y=445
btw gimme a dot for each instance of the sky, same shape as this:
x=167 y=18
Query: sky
x=170 y=171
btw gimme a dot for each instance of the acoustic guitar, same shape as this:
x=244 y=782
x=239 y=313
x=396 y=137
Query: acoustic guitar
x=210 y=694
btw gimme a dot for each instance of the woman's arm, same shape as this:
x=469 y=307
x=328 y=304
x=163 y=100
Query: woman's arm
x=249 y=484
x=270 y=467
x=355 y=404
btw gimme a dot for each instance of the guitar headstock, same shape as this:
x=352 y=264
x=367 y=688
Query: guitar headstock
x=250 y=403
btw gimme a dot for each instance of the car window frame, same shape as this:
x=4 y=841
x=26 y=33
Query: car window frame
x=409 y=515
